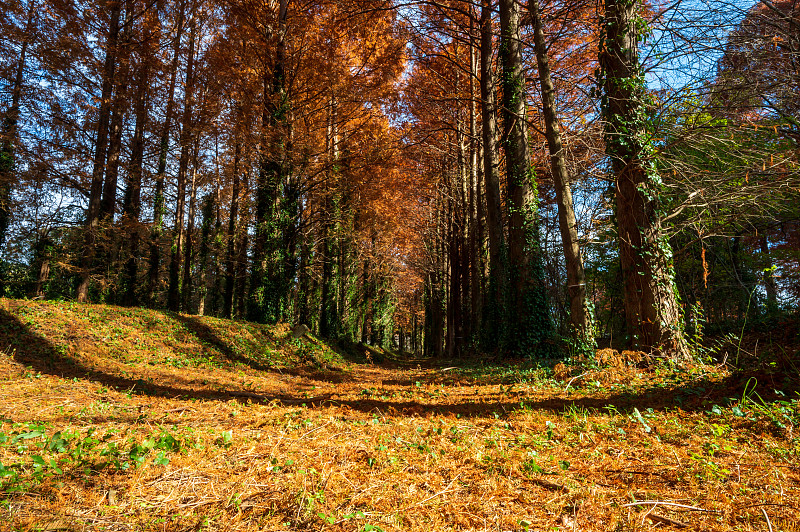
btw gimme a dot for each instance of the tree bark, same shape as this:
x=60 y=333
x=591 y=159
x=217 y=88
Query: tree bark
x=174 y=290
x=230 y=264
x=652 y=314
x=132 y=202
x=270 y=178
x=9 y=138
x=206 y=247
x=576 y=279
x=474 y=235
x=108 y=201
x=154 y=269
x=492 y=324
x=40 y=265
x=240 y=297
x=527 y=306
x=769 y=278
x=188 y=255
x=101 y=145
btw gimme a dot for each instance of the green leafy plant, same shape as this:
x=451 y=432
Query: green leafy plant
x=783 y=414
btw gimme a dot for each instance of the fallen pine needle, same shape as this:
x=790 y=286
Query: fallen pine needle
x=769 y=523
x=446 y=490
x=666 y=520
x=573 y=379
x=673 y=504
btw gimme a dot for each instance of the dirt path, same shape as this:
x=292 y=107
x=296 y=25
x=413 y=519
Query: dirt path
x=379 y=448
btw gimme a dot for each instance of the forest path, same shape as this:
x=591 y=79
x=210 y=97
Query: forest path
x=119 y=419
x=391 y=448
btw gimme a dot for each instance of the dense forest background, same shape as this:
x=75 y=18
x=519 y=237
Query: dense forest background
x=445 y=177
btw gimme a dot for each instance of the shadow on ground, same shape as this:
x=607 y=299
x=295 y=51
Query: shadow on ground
x=33 y=350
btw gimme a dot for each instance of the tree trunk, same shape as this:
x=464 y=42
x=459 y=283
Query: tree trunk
x=158 y=202
x=108 y=201
x=769 y=277
x=652 y=314
x=271 y=174
x=188 y=256
x=132 y=202
x=529 y=318
x=464 y=315
x=101 y=144
x=240 y=297
x=452 y=233
x=365 y=294
x=576 y=279
x=491 y=177
x=303 y=295
x=174 y=291
x=206 y=247
x=230 y=264
x=42 y=255
x=327 y=307
x=474 y=236
x=9 y=138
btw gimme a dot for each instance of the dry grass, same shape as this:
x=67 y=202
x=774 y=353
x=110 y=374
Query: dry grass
x=250 y=430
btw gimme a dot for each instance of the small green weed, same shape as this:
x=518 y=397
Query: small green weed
x=71 y=452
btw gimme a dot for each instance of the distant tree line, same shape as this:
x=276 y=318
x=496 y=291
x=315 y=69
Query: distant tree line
x=447 y=177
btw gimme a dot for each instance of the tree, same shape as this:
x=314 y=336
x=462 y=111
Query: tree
x=101 y=144
x=576 y=279
x=527 y=301
x=186 y=143
x=652 y=313
x=491 y=179
x=154 y=269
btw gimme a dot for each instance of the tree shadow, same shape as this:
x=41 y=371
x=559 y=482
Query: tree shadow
x=36 y=352
x=208 y=336
x=33 y=350
x=39 y=354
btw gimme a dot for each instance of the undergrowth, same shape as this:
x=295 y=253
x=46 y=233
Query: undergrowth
x=122 y=419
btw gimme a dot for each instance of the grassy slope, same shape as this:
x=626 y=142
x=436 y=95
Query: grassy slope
x=131 y=419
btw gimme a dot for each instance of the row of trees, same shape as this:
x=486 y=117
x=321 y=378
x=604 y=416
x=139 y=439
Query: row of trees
x=683 y=197
x=225 y=158
x=452 y=176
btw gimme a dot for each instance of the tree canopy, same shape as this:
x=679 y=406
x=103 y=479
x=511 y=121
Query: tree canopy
x=451 y=177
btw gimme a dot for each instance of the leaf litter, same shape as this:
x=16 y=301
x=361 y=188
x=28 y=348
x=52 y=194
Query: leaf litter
x=131 y=419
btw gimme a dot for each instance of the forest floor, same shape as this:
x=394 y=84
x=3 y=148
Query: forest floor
x=132 y=419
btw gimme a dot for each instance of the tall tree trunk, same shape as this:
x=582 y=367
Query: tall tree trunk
x=474 y=236
x=186 y=292
x=302 y=307
x=101 y=145
x=493 y=322
x=453 y=300
x=154 y=269
x=769 y=277
x=214 y=303
x=270 y=178
x=652 y=314
x=132 y=202
x=108 y=201
x=206 y=247
x=328 y=318
x=576 y=279
x=327 y=310
x=527 y=302
x=174 y=290
x=42 y=255
x=240 y=297
x=9 y=138
x=230 y=264
x=365 y=293
x=464 y=322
